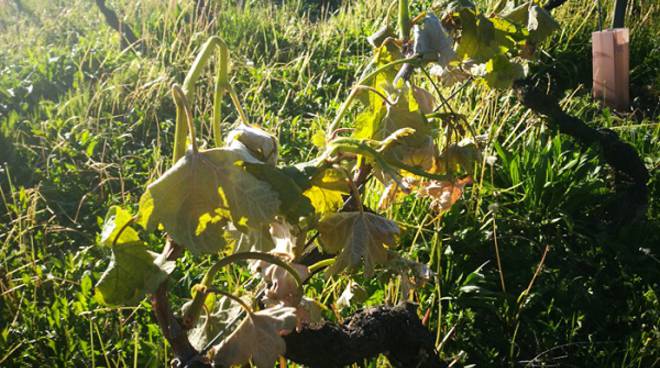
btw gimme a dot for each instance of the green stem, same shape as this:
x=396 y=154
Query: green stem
x=404 y=20
x=321 y=264
x=180 y=99
x=221 y=82
x=200 y=61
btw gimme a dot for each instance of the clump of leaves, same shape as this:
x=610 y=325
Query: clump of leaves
x=234 y=202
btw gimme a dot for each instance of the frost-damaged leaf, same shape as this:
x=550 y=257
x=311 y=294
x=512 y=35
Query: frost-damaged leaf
x=443 y=194
x=282 y=286
x=540 y=24
x=463 y=155
x=133 y=272
x=115 y=220
x=222 y=312
x=432 y=41
x=254 y=144
x=358 y=237
x=258 y=339
x=196 y=197
x=425 y=100
x=293 y=204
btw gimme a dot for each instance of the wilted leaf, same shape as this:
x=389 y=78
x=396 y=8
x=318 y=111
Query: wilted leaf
x=222 y=312
x=282 y=286
x=540 y=24
x=358 y=237
x=309 y=313
x=133 y=273
x=257 y=339
x=463 y=154
x=443 y=194
x=425 y=100
x=254 y=144
x=195 y=198
x=432 y=41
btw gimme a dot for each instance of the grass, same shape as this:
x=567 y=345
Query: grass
x=84 y=126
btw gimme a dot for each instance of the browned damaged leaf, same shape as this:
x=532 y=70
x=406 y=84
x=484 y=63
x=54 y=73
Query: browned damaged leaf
x=443 y=194
x=258 y=339
x=358 y=237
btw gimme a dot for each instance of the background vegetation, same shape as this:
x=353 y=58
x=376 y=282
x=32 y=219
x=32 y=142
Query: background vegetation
x=84 y=125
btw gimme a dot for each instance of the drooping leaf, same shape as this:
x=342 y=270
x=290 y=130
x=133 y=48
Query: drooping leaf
x=358 y=237
x=222 y=312
x=116 y=220
x=197 y=196
x=254 y=144
x=540 y=24
x=257 y=339
x=432 y=41
x=443 y=194
x=133 y=273
x=463 y=155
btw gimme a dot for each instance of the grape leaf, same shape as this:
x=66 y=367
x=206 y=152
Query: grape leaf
x=443 y=194
x=132 y=273
x=115 y=220
x=432 y=41
x=293 y=204
x=258 y=338
x=501 y=73
x=358 y=237
x=540 y=24
x=223 y=311
x=324 y=200
x=254 y=144
x=196 y=197
x=481 y=38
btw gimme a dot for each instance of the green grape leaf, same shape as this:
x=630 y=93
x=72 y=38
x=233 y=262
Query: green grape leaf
x=358 y=237
x=115 y=220
x=324 y=200
x=501 y=73
x=293 y=204
x=133 y=273
x=482 y=38
x=196 y=197
x=540 y=24
x=258 y=339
